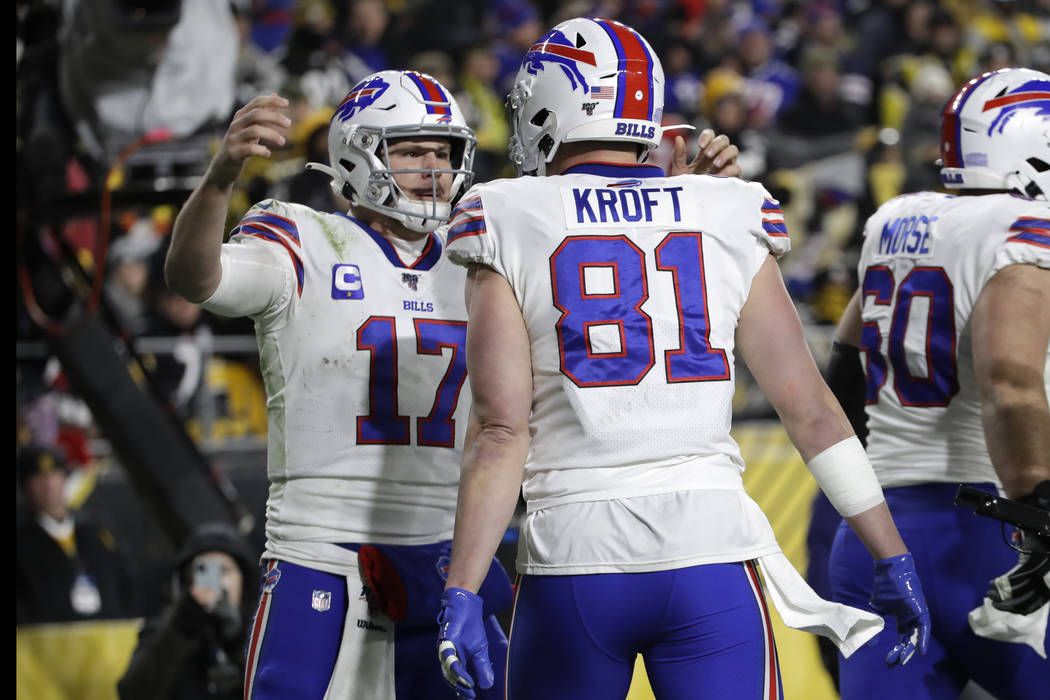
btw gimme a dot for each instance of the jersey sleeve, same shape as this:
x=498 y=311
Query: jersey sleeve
x=768 y=226
x=262 y=267
x=1027 y=242
x=469 y=240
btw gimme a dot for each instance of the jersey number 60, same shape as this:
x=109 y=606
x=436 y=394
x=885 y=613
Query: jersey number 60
x=941 y=381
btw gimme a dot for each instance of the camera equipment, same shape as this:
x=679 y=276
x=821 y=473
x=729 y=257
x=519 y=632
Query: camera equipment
x=207 y=573
x=1028 y=518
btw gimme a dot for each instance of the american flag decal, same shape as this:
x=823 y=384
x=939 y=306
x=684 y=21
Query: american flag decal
x=603 y=92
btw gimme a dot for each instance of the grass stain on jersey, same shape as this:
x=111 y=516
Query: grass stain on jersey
x=331 y=234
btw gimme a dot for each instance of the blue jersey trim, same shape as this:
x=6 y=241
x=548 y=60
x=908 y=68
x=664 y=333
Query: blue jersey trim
x=430 y=256
x=617 y=170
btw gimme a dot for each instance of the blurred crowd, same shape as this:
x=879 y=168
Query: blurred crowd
x=834 y=105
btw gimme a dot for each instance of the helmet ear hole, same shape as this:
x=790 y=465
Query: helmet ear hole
x=540 y=117
x=1040 y=166
x=347 y=191
x=546 y=144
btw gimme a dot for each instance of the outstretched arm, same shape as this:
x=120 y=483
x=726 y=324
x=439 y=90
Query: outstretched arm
x=192 y=266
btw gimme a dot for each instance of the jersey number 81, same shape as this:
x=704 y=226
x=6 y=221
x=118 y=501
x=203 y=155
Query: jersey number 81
x=615 y=307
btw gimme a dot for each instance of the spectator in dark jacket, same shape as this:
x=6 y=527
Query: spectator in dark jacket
x=68 y=565
x=195 y=648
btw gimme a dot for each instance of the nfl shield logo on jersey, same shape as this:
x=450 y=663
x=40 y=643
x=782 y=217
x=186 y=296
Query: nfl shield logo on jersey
x=411 y=280
x=322 y=600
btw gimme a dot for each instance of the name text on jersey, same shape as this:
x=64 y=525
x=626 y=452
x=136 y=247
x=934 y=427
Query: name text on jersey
x=600 y=205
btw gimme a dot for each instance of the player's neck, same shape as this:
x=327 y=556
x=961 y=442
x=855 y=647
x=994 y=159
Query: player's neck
x=388 y=228
x=570 y=154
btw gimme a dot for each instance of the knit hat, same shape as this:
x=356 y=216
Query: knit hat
x=38 y=459
x=221 y=537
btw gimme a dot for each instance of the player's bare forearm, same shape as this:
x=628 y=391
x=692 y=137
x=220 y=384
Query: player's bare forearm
x=788 y=376
x=849 y=328
x=876 y=529
x=499 y=364
x=488 y=493
x=1011 y=334
x=192 y=266
x=1017 y=430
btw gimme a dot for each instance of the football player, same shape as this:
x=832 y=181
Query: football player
x=361 y=327
x=946 y=342
x=606 y=303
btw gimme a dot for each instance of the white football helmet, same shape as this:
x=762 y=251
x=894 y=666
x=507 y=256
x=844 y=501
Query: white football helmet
x=388 y=105
x=995 y=133
x=585 y=80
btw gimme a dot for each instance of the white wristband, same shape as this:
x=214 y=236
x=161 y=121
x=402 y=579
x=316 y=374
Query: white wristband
x=846 y=477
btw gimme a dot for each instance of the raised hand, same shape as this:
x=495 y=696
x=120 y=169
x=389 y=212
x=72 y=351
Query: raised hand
x=256 y=127
x=716 y=156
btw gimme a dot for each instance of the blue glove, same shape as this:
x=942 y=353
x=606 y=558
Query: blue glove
x=462 y=642
x=898 y=593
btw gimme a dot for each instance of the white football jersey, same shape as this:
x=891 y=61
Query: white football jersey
x=631 y=284
x=925 y=259
x=362 y=355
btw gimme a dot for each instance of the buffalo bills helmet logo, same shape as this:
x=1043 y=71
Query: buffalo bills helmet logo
x=556 y=48
x=363 y=95
x=1034 y=94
